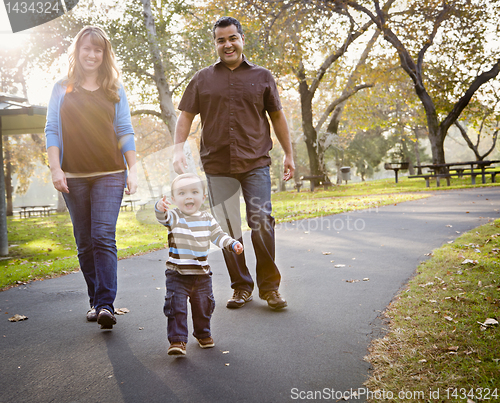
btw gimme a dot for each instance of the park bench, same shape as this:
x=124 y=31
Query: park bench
x=323 y=181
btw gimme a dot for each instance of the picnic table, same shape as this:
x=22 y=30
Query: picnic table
x=458 y=169
x=41 y=210
x=130 y=202
x=321 y=179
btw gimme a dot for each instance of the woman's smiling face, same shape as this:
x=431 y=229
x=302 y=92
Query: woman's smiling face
x=90 y=56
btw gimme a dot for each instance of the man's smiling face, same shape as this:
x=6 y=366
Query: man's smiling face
x=229 y=45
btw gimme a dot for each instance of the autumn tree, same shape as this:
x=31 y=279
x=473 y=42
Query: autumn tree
x=21 y=153
x=310 y=41
x=442 y=46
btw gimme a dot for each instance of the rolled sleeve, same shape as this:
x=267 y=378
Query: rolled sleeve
x=52 y=129
x=123 y=123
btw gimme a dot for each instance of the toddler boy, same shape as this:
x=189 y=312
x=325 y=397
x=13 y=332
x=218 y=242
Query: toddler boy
x=188 y=273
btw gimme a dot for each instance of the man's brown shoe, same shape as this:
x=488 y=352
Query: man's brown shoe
x=273 y=298
x=239 y=298
x=106 y=319
x=207 y=342
x=177 y=348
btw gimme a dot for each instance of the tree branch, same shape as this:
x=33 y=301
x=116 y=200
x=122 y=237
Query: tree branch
x=146 y=112
x=464 y=101
x=437 y=23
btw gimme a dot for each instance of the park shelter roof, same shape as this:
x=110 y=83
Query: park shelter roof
x=18 y=117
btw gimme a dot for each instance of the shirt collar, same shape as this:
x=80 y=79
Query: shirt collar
x=244 y=61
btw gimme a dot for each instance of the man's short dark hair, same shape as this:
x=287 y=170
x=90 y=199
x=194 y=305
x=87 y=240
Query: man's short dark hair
x=224 y=22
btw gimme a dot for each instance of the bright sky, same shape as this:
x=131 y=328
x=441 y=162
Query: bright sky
x=39 y=84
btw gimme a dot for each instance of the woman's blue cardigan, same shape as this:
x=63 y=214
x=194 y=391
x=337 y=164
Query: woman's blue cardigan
x=122 y=121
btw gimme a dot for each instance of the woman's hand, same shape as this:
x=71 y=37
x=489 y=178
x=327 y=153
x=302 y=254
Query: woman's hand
x=59 y=180
x=131 y=182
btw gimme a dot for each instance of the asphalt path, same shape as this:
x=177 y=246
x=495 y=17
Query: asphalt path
x=313 y=348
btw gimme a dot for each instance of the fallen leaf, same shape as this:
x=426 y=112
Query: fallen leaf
x=490 y=322
x=352 y=281
x=366 y=279
x=17 y=318
x=327 y=253
x=121 y=311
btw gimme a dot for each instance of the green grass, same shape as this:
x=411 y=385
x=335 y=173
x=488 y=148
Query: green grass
x=435 y=339
x=43 y=247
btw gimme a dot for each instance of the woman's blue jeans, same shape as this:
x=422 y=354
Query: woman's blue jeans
x=198 y=288
x=94 y=204
x=224 y=194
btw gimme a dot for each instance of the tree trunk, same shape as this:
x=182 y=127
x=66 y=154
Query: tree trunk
x=311 y=137
x=167 y=108
x=8 y=177
x=61 y=204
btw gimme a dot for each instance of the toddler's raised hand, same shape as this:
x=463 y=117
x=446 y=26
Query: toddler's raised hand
x=163 y=204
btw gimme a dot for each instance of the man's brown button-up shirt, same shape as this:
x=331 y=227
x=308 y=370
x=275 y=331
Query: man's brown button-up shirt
x=235 y=135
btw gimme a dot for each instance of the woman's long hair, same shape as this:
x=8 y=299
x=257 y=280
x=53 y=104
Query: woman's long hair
x=108 y=71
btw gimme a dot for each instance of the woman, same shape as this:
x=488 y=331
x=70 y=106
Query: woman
x=89 y=137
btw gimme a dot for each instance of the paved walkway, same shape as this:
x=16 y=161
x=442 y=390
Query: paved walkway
x=316 y=345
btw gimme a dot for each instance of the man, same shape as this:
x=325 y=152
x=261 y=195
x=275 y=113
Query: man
x=232 y=97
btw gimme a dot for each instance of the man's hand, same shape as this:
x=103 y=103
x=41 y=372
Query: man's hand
x=181 y=134
x=163 y=204
x=289 y=168
x=180 y=163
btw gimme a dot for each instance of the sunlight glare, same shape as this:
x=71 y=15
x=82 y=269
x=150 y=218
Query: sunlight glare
x=8 y=40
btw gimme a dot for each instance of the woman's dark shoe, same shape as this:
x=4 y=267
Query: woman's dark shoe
x=106 y=319
x=92 y=315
